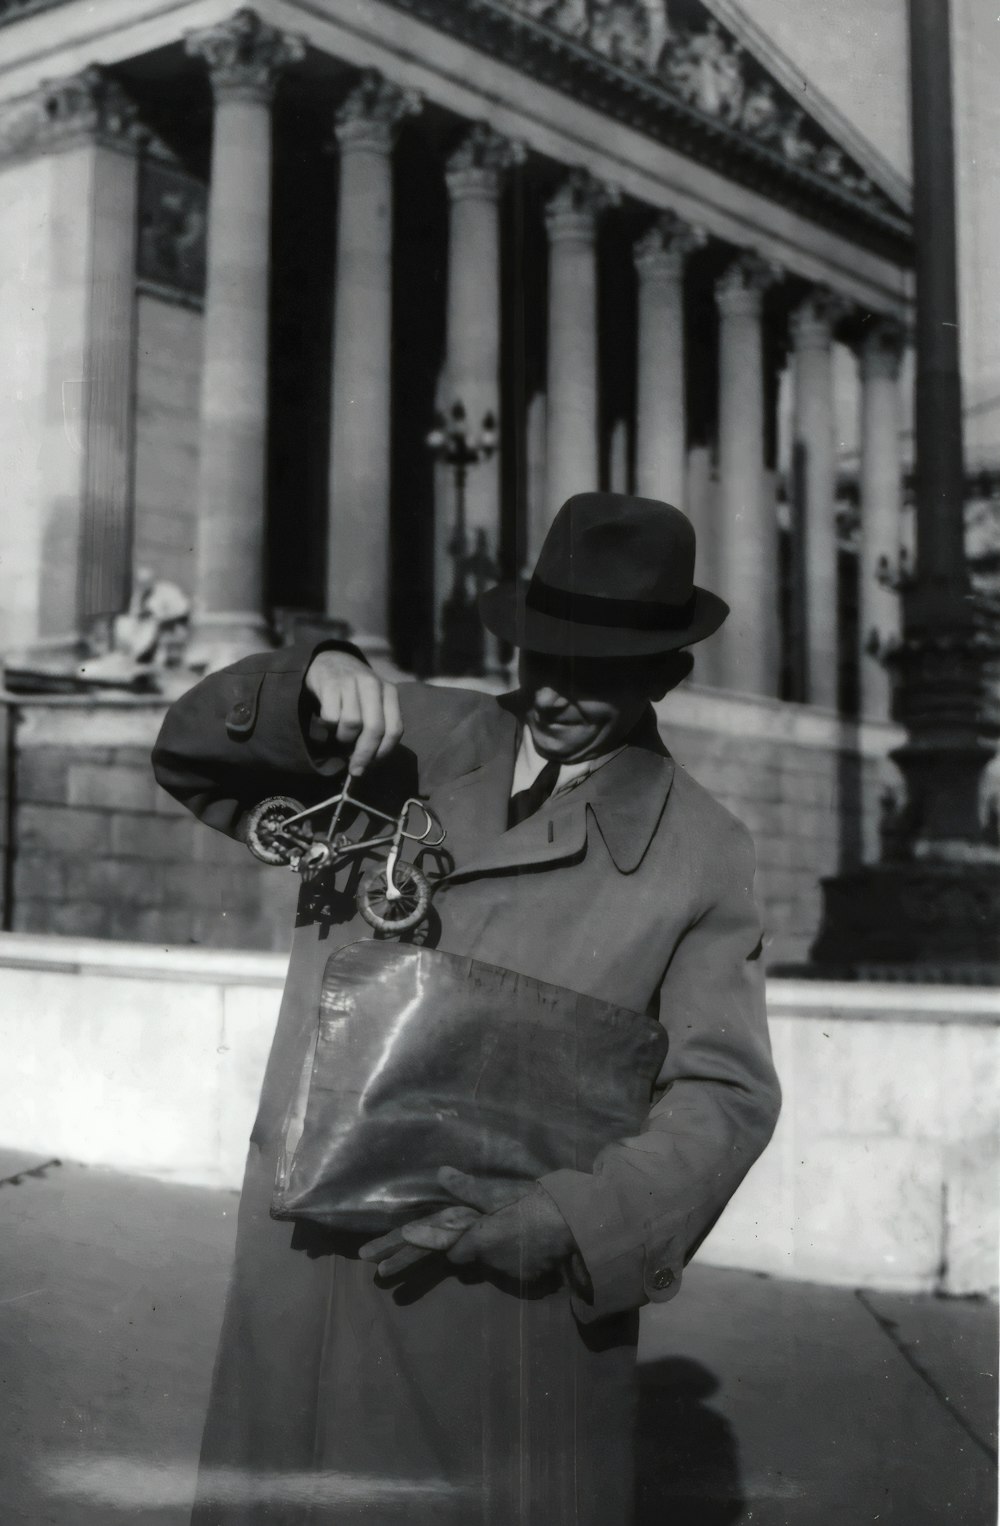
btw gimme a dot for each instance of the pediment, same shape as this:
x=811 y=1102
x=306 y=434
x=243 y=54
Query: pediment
x=698 y=76
x=707 y=54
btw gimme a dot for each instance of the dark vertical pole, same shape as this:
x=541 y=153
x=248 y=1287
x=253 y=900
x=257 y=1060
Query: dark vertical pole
x=942 y=570
x=944 y=690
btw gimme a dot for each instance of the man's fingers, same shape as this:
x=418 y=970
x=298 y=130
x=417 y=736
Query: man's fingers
x=409 y=1256
x=441 y=1231
x=375 y=1250
x=330 y=700
x=349 y=722
x=370 y=700
x=482 y=1192
x=393 y=721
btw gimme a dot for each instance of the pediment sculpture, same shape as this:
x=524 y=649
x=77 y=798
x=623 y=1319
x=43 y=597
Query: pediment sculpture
x=707 y=69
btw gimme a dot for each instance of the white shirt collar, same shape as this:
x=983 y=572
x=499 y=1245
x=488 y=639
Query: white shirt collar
x=529 y=764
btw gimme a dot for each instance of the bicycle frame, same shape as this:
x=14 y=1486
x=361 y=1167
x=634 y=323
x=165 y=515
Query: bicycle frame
x=340 y=848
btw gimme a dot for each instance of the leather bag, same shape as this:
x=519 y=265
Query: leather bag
x=423 y=1059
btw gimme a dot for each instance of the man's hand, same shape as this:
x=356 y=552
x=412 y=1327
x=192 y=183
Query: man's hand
x=356 y=705
x=512 y=1228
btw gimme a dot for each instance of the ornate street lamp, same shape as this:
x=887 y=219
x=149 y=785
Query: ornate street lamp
x=462 y=641
x=931 y=906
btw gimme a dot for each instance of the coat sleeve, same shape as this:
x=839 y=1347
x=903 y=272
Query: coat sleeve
x=651 y=1200
x=243 y=733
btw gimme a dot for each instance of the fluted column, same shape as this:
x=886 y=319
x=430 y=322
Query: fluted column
x=880 y=353
x=245 y=57
x=661 y=411
x=815 y=474
x=358 y=506
x=474 y=179
x=746 y=539
x=68 y=215
x=572 y=456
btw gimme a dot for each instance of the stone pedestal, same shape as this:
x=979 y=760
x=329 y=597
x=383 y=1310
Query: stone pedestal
x=746 y=536
x=360 y=442
x=661 y=408
x=879 y=356
x=815 y=475
x=572 y=455
x=245 y=57
x=927 y=920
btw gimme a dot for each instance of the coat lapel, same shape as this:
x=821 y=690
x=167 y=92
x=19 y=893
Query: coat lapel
x=468 y=783
x=626 y=798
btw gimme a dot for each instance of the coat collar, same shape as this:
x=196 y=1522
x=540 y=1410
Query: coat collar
x=625 y=798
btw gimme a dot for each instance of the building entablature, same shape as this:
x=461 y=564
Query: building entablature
x=687 y=122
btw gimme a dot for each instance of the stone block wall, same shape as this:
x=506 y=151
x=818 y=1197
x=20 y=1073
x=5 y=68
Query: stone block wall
x=100 y=851
x=805 y=782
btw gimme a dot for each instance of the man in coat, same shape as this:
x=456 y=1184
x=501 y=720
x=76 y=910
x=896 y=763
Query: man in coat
x=477 y=1366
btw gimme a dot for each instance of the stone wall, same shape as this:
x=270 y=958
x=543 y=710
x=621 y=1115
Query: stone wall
x=882 y=1172
x=101 y=851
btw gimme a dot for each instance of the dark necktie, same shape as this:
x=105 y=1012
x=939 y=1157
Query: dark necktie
x=527 y=801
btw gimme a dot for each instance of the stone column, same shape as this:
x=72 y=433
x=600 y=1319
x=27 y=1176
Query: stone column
x=357 y=579
x=474 y=173
x=572 y=463
x=746 y=538
x=880 y=353
x=536 y=432
x=69 y=161
x=661 y=422
x=245 y=57
x=815 y=474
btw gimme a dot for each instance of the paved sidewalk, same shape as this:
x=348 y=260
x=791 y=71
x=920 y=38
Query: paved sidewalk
x=765 y=1403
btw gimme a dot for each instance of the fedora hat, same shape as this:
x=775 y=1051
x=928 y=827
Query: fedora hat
x=614 y=578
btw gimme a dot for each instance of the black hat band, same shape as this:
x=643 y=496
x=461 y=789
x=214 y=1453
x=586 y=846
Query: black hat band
x=594 y=609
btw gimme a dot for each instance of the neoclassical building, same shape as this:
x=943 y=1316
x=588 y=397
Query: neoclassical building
x=248 y=257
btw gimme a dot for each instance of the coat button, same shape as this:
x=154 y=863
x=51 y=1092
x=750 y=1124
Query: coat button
x=663 y=1278
x=240 y=712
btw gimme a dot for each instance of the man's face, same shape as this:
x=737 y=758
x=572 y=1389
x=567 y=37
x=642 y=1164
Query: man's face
x=580 y=707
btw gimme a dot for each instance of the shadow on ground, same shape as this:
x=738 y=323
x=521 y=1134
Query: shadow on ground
x=687 y=1455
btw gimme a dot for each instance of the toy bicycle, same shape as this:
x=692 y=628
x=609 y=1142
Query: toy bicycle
x=392 y=898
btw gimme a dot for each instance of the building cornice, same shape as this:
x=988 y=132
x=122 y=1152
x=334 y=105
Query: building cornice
x=696 y=92
x=648 y=102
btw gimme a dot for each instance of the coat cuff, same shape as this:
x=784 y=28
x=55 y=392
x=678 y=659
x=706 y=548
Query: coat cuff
x=627 y=1265
x=268 y=691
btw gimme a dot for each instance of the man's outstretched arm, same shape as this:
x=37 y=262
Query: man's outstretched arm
x=277 y=721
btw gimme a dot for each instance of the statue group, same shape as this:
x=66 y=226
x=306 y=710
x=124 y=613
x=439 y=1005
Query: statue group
x=707 y=69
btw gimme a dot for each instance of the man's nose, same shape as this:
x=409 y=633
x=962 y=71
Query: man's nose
x=548 y=698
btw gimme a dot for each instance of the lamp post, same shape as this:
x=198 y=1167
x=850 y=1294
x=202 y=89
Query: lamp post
x=932 y=904
x=462 y=645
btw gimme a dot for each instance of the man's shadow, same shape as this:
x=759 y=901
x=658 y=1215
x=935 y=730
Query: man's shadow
x=687 y=1458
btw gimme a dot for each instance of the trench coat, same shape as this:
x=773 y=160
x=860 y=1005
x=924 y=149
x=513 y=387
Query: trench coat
x=452 y=1398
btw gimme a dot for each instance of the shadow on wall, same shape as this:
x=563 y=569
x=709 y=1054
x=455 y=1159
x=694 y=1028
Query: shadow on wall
x=687 y=1458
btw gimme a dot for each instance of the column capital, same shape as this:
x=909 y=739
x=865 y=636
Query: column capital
x=474 y=168
x=741 y=287
x=880 y=348
x=814 y=320
x=572 y=212
x=88 y=107
x=245 y=55
x=661 y=251
x=371 y=114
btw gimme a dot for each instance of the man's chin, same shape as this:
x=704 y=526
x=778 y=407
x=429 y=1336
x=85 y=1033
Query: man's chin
x=571 y=746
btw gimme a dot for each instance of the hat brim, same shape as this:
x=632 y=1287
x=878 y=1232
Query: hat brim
x=505 y=613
